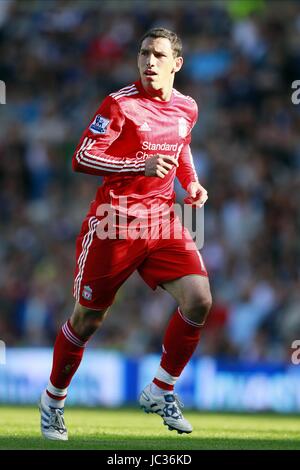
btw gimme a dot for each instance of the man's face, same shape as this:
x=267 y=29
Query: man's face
x=157 y=64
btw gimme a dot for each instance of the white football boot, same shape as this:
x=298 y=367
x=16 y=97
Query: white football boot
x=52 y=421
x=168 y=407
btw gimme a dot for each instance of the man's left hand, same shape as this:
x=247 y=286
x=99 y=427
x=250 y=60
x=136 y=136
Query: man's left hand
x=197 y=194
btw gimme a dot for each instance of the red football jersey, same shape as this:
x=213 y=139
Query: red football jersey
x=129 y=127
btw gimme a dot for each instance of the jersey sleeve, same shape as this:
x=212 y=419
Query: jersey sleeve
x=186 y=172
x=92 y=154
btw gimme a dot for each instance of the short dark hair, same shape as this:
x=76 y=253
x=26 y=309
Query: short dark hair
x=175 y=41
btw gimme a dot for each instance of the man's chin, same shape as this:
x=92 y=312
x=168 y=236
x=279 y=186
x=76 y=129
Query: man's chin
x=151 y=85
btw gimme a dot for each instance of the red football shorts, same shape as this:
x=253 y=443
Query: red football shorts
x=103 y=265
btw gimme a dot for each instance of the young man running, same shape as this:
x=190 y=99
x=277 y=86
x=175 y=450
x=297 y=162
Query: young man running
x=139 y=141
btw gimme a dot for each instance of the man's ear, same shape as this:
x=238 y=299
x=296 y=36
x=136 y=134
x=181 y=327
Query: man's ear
x=178 y=64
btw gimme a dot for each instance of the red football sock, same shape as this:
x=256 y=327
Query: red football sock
x=180 y=341
x=67 y=355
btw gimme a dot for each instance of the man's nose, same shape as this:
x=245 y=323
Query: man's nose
x=150 y=59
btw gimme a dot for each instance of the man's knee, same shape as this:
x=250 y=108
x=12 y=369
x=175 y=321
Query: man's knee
x=85 y=321
x=196 y=306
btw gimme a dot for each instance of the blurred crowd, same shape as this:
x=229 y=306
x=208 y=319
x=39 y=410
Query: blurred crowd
x=59 y=59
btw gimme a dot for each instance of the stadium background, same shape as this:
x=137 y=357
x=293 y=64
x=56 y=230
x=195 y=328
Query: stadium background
x=58 y=60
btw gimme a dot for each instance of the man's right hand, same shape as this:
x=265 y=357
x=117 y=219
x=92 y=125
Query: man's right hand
x=159 y=165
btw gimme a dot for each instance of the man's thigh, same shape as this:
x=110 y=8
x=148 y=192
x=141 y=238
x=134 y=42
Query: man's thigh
x=172 y=259
x=102 y=266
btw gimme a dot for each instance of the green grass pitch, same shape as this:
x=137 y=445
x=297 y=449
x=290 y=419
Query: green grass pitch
x=131 y=429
